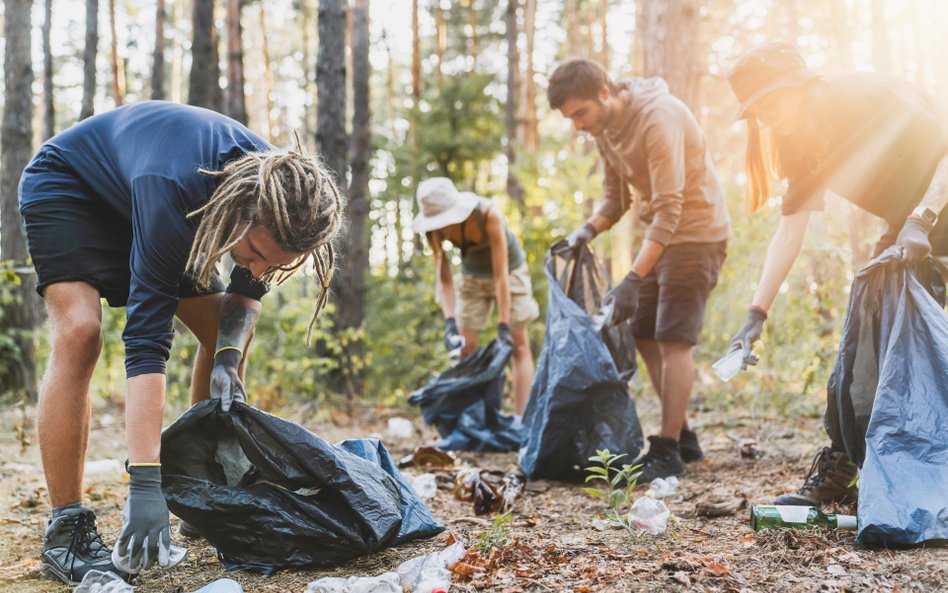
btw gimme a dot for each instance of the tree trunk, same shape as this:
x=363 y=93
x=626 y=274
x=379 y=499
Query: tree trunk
x=441 y=41
x=118 y=63
x=236 y=105
x=267 y=73
x=88 y=59
x=177 y=53
x=529 y=107
x=307 y=71
x=158 y=59
x=572 y=29
x=669 y=31
x=49 y=108
x=514 y=189
x=18 y=369
x=604 y=33
x=412 y=123
x=350 y=288
x=204 y=88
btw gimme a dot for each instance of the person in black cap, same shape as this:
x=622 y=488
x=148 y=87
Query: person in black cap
x=872 y=139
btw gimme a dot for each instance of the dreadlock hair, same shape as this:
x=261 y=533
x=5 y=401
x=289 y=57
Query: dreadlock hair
x=292 y=195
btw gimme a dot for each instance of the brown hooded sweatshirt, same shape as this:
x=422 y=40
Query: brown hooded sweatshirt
x=655 y=145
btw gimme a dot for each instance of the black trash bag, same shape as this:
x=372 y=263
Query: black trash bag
x=463 y=403
x=887 y=400
x=269 y=494
x=579 y=401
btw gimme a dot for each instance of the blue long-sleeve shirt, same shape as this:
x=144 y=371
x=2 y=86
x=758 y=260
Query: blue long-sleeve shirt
x=142 y=161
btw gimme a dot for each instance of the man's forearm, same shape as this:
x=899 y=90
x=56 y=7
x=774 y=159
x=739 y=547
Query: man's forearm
x=647 y=257
x=238 y=317
x=600 y=223
x=936 y=197
x=144 y=412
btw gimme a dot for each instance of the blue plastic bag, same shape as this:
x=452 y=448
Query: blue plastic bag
x=887 y=403
x=579 y=401
x=463 y=403
x=269 y=494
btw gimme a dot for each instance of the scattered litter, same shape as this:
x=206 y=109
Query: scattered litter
x=103 y=582
x=399 y=429
x=661 y=487
x=425 y=574
x=103 y=466
x=384 y=583
x=428 y=456
x=748 y=449
x=221 y=586
x=836 y=569
x=720 y=506
x=649 y=515
x=471 y=486
x=512 y=487
x=426 y=485
x=730 y=365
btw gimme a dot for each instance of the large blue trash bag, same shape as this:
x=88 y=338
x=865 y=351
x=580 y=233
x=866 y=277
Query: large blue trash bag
x=269 y=494
x=887 y=400
x=463 y=403
x=579 y=401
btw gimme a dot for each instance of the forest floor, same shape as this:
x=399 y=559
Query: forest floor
x=554 y=546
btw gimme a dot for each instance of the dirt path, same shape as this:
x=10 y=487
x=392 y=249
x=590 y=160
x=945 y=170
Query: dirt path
x=554 y=545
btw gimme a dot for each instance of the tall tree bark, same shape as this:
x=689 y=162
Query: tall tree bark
x=514 y=189
x=307 y=73
x=88 y=59
x=204 y=89
x=236 y=104
x=18 y=371
x=604 y=33
x=350 y=289
x=441 y=40
x=267 y=72
x=49 y=106
x=177 y=53
x=158 y=58
x=530 y=134
x=118 y=62
x=413 y=124
x=669 y=42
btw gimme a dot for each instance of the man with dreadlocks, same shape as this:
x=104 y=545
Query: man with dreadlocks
x=137 y=206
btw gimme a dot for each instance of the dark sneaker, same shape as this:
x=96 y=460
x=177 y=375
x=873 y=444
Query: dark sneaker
x=662 y=460
x=188 y=530
x=688 y=446
x=828 y=480
x=72 y=547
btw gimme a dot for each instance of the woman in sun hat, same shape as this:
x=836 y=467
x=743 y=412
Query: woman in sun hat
x=493 y=269
x=876 y=141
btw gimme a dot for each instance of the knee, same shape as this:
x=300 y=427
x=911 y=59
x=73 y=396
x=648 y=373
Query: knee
x=79 y=336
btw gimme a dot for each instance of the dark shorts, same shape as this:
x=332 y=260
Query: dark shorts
x=80 y=240
x=673 y=297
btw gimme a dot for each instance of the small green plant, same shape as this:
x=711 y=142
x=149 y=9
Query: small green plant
x=497 y=536
x=619 y=482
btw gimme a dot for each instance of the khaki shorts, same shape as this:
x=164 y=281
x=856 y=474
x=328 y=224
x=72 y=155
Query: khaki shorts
x=476 y=296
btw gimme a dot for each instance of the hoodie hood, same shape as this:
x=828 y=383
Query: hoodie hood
x=639 y=93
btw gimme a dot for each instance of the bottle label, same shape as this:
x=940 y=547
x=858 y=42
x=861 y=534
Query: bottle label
x=793 y=513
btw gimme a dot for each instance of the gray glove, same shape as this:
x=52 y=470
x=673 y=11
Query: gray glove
x=503 y=333
x=749 y=333
x=452 y=338
x=623 y=299
x=581 y=236
x=225 y=383
x=914 y=239
x=146 y=533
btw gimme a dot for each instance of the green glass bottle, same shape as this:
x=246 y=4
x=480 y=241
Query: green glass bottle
x=765 y=516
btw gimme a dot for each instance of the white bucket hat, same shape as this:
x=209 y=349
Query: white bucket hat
x=441 y=205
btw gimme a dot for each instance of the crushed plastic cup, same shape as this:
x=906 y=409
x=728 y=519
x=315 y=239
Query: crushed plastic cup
x=662 y=487
x=384 y=583
x=729 y=365
x=426 y=485
x=399 y=429
x=96 y=581
x=650 y=515
x=424 y=574
x=176 y=555
x=454 y=353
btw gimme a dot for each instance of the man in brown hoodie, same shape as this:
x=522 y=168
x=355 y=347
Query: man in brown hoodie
x=650 y=140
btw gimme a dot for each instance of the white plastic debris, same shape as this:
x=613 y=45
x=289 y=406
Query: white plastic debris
x=97 y=581
x=424 y=574
x=399 y=429
x=221 y=586
x=103 y=466
x=650 y=515
x=384 y=583
x=662 y=487
x=169 y=555
x=426 y=485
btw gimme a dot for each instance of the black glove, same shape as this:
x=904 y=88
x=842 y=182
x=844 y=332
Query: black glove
x=623 y=298
x=914 y=239
x=581 y=236
x=146 y=533
x=452 y=338
x=225 y=383
x=503 y=333
x=750 y=333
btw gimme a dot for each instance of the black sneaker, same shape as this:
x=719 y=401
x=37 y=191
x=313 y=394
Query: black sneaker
x=663 y=460
x=828 y=480
x=688 y=446
x=72 y=547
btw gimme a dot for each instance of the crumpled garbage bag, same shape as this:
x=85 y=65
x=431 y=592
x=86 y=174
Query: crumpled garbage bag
x=579 y=401
x=887 y=400
x=300 y=501
x=463 y=403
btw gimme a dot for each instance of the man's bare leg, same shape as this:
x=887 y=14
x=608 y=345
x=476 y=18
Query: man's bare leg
x=678 y=377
